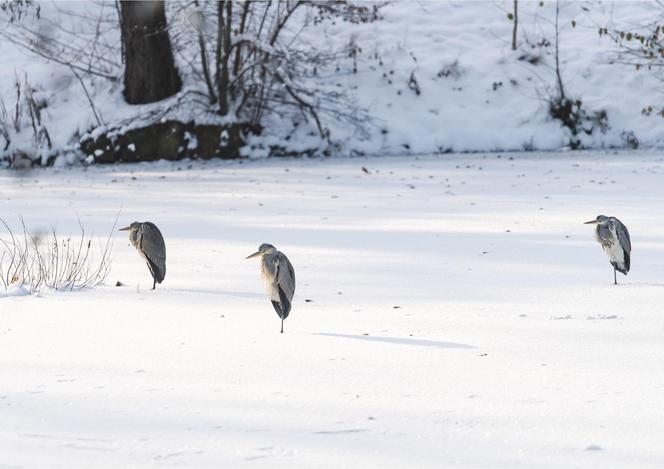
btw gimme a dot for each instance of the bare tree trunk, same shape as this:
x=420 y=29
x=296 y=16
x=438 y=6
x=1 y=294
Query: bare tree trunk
x=224 y=31
x=204 y=63
x=238 y=50
x=516 y=23
x=559 y=79
x=150 y=73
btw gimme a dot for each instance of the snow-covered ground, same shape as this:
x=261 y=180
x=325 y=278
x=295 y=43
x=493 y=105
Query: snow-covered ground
x=449 y=311
x=474 y=92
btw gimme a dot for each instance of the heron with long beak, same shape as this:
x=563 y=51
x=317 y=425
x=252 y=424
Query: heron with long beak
x=149 y=243
x=614 y=238
x=279 y=277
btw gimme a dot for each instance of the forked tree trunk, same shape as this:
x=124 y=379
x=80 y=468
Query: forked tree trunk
x=150 y=73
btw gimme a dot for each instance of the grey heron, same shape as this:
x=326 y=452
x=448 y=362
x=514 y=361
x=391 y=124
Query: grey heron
x=279 y=278
x=149 y=243
x=614 y=238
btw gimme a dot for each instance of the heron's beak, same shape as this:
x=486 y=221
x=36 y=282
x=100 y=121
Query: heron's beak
x=256 y=254
x=125 y=229
x=591 y=222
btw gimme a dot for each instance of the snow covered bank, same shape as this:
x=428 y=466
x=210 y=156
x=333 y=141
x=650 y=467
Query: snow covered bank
x=441 y=76
x=450 y=311
x=435 y=76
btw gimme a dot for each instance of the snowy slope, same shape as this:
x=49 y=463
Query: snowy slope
x=475 y=93
x=461 y=315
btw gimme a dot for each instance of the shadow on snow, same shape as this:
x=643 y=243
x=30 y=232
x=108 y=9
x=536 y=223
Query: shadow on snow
x=399 y=340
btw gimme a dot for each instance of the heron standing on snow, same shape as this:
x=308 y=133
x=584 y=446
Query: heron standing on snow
x=614 y=238
x=279 y=277
x=149 y=243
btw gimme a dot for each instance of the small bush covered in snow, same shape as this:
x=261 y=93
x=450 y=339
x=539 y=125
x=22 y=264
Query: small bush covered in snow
x=35 y=260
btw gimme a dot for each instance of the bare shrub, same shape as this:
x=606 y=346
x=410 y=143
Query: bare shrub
x=249 y=59
x=24 y=113
x=82 y=39
x=39 y=260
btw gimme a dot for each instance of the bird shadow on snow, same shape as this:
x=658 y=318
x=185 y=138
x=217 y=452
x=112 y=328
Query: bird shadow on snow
x=199 y=291
x=398 y=340
x=637 y=284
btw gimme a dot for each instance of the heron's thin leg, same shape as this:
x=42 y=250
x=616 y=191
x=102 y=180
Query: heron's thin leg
x=154 y=284
x=282 y=325
x=615 y=280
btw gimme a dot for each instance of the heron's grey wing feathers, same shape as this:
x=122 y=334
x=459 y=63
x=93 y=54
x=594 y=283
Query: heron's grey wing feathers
x=623 y=237
x=284 y=303
x=277 y=308
x=286 y=276
x=154 y=249
x=625 y=243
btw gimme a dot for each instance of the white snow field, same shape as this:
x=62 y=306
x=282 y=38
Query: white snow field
x=449 y=311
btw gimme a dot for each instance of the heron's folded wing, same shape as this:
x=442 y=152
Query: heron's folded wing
x=286 y=276
x=154 y=249
x=623 y=237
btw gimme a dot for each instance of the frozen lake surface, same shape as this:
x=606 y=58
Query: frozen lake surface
x=449 y=311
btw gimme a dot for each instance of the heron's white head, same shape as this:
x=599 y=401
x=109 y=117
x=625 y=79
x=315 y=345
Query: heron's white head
x=133 y=227
x=600 y=220
x=262 y=250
